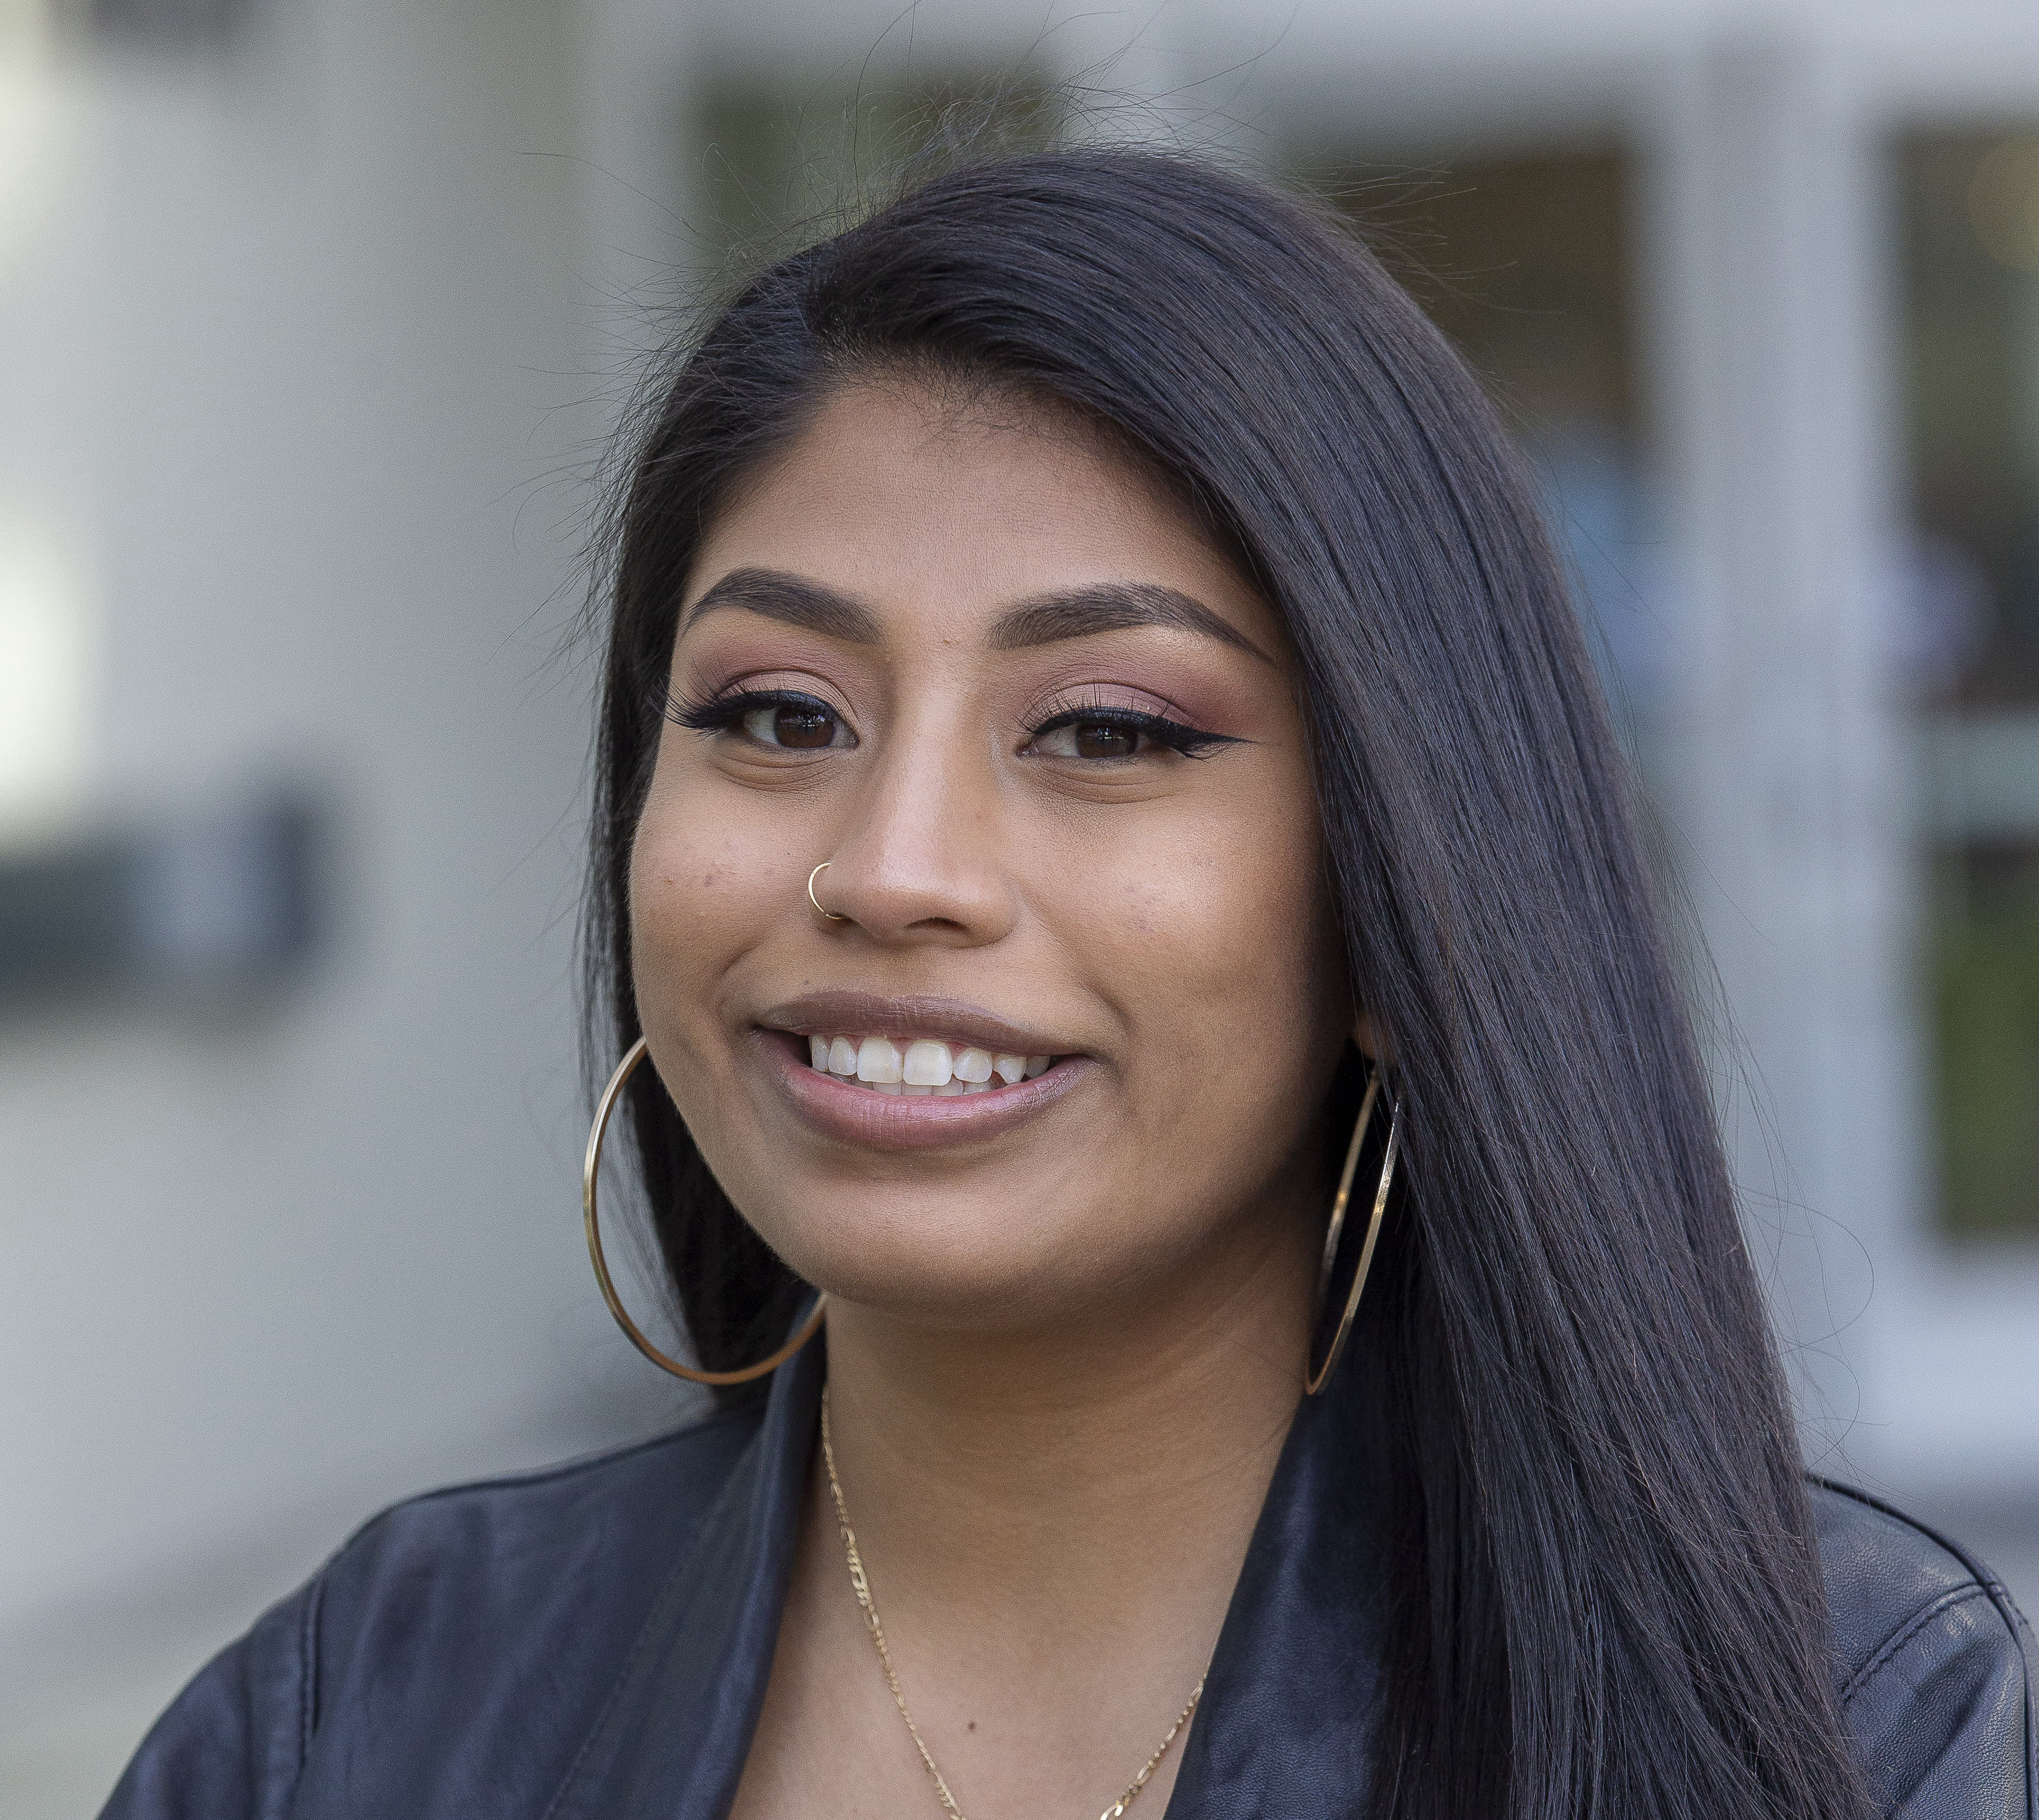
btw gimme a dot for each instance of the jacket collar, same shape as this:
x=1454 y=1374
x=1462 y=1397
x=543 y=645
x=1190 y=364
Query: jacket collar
x=1283 y=1724
x=1286 y=1725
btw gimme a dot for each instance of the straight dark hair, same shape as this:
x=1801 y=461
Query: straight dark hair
x=1607 y=1600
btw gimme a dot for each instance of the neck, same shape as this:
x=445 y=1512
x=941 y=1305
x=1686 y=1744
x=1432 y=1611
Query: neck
x=1052 y=1522
x=1105 y=1472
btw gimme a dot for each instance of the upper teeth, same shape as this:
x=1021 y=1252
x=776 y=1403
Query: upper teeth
x=921 y=1066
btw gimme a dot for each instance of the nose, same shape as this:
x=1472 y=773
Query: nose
x=919 y=859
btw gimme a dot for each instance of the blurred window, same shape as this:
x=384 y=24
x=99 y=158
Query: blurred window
x=1969 y=643
x=1526 y=263
x=785 y=158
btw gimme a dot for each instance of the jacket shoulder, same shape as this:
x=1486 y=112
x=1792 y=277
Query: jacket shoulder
x=496 y=1614
x=1934 y=1664
x=632 y=1502
x=547 y=1568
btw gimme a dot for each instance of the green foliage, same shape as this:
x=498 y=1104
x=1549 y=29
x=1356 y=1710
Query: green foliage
x=1986 y=981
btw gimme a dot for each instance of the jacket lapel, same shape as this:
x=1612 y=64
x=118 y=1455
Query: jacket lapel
x=1286 y=1725
x=671 y=1743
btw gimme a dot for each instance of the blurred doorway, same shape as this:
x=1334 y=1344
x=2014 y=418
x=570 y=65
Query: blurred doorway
x=1968 y=648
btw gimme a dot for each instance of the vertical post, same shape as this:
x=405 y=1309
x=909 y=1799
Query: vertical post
x=1788 y=825
x=643 y=231
x=1135 y=64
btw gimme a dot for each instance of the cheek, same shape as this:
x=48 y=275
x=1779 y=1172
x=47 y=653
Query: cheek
x=1253 y=1018
x=1212 y=947
x=1226 y=927
x=1211 y=939
x=703 y=886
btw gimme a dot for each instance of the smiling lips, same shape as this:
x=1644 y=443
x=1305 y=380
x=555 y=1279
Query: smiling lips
x=923 y=1068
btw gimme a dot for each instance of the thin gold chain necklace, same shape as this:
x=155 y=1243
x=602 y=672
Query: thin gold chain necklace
x=861 y=1582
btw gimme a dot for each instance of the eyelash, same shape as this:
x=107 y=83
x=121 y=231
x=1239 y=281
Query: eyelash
x=1190 y=742
x=722 y=713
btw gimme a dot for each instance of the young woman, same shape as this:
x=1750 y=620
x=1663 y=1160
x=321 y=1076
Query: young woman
x=1098 y=770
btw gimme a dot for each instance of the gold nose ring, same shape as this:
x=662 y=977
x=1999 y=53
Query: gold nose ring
x=816 y=902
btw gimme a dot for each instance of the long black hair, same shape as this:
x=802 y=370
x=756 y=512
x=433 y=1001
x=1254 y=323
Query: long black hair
x=1608 y=1600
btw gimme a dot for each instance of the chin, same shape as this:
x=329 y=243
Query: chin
x=988 y=1268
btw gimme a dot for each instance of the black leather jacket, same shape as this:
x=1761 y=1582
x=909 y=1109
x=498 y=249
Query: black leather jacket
x=592 y=1643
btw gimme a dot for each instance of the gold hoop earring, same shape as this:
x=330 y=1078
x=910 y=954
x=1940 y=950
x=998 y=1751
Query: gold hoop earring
x=693 y=1374
x=816 y=902
x=1314 y=1381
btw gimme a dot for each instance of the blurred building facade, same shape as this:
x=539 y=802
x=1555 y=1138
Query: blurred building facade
x=292 y=311
x=311 y=313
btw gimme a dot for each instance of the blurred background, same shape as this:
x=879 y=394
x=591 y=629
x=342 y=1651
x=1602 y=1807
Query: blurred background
x=313 y=316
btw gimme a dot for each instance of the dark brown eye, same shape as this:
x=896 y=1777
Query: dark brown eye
x=1105 y=740
x=803 y=727
x=798 y=726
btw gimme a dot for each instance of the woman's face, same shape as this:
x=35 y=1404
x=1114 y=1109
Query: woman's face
x=1048 y=740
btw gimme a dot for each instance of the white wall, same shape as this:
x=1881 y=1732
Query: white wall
x=294 y=343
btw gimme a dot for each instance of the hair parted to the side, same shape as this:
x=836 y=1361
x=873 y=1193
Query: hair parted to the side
x=1609 y=1602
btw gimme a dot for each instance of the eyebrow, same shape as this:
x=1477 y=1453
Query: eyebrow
x=792 y=600
x=1112 y=607
x=1044 y=619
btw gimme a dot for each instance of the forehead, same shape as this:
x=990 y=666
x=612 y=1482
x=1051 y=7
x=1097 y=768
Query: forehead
x=922 y=503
